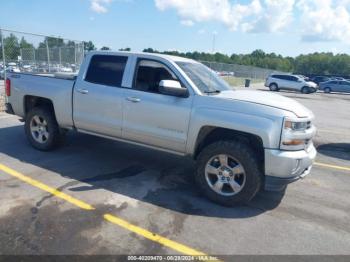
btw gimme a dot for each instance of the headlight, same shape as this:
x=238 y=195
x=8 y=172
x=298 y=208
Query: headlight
x=293 y=137
x=296 y=126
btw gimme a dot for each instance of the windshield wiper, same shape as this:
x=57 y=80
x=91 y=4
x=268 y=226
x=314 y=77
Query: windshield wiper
x=212 y=92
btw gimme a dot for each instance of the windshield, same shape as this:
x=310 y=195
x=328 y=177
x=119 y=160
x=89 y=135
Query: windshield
x=206 y=80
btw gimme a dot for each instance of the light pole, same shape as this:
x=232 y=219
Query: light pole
x=214 y=39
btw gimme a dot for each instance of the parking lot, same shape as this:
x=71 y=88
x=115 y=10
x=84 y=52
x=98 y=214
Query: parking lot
x=123 y=199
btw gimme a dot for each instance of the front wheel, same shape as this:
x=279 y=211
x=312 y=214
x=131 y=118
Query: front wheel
x=305 y=90
x=42 y=130
x=228 y=173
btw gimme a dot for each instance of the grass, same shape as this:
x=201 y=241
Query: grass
x=240 y=81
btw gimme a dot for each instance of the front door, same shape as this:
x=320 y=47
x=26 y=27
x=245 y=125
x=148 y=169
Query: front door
x=344 y=86
x=153 y=118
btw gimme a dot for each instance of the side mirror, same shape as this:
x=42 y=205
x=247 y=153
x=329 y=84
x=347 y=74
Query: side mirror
x=172 y=88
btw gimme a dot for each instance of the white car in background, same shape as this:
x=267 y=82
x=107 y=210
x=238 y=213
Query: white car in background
x=9 y=69
x=66 y=69
x=278 y=82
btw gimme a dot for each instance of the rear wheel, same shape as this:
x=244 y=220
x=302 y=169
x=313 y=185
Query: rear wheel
x=273 y=87
x=228 y=173
x=42 y=130
x=327 y=90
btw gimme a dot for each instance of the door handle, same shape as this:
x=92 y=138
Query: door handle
x=83 y=91
x=133 y=99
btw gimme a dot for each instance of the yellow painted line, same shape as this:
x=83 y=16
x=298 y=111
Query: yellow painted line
x=111 y=218
x=332 y=166
x=154 y=237
x=46 y=188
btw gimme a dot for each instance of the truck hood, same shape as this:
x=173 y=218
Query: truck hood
x=267 y=99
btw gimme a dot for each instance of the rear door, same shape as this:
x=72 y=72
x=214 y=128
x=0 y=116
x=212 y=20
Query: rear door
x=283 y=82
x=335 y=86
x=97 y=98
x=277 y=79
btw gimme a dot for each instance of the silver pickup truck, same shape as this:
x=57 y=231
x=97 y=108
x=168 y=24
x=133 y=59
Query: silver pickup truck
x=241 y=140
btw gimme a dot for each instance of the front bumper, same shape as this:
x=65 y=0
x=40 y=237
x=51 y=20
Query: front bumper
x=284 y=167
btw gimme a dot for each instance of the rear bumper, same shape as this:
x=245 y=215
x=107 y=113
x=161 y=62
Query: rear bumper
x=9 y=109
x=284 y=167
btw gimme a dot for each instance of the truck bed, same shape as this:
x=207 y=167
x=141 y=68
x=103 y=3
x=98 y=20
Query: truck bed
x=56 y=87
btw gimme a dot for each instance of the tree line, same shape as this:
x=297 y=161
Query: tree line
x=58 y=49
x=310 y=64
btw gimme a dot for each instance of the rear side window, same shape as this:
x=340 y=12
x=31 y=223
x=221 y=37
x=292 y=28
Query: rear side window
x=106 y=70
x=282 y=77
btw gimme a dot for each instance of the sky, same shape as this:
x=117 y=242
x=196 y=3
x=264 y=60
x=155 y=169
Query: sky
x=286 y=27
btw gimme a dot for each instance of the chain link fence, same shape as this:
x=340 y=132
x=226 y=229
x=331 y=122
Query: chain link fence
x=41 y=54
x=38 y=54
x=237 y=75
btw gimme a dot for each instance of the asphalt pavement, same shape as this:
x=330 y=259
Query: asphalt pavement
x=154 y=191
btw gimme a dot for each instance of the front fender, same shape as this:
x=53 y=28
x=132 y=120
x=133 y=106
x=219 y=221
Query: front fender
x=268 y=128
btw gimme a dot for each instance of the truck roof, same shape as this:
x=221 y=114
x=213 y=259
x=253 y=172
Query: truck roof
x=150 y=55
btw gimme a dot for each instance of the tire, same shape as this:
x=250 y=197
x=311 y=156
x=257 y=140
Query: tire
x=305 y=90
x=327 y=90
x=242 y=155
x=273 y=87
x=42 y=130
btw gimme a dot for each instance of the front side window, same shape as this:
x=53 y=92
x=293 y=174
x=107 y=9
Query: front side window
x=149 y=73
x=292 y=78
x=106 y=70
x=284 y=77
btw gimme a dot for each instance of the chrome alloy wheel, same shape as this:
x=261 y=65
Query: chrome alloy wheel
x=39 y=129
x=225 y=175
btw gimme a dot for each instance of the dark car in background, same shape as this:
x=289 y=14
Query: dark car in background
x=319 y=79
x=335 y=86
x=337 y=78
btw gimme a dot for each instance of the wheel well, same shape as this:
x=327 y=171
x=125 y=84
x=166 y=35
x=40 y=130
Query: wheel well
x=36 y=101
x=273 y=83
x=209 y=134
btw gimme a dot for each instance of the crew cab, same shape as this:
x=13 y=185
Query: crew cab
x=241 y=140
